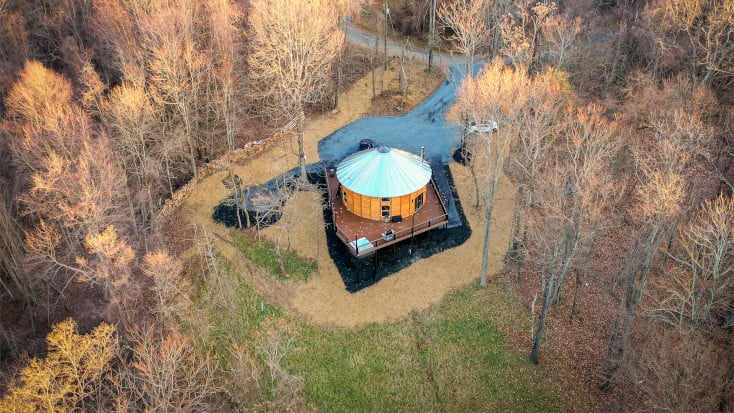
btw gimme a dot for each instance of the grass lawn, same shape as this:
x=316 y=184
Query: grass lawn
x=263 y=254
x=451 y=358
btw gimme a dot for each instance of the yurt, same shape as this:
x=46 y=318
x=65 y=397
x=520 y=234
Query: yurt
x=383 y=183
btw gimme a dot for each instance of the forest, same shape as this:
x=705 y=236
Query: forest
x=612 y=171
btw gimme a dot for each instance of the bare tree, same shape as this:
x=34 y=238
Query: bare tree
x=290 y=215
x=80 y=193
x=293 y=47
x=172 y=290
x=244 y=374
x=662 y=193
x=177 y=70
x=183 y=54
x=431 y=31
x=115 y=26
x=697 y=287
x=590 y=148
x=130 y=120
x=540 y=123
x=76 y=373
x=276 y=341
x=522 y=31
x=571 y=200
x=537 y=34
x=344 y=9
x=708 y=27
x=688 y=115
x=670 y=371
x=467 y=21
x=17 y=44
x=494 y=96
x=549 y=250
x=111 y=268
x=559 y=33
x=39 y=103
x=11 y=250
x=169 y=373
x=227 y=40
x=74 y=185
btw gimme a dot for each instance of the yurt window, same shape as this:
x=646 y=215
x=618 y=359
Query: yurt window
x=386 y=210
x=385 y=199
x=344 y=196
x=419 y=201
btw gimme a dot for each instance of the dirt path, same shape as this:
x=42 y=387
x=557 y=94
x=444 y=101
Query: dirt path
x=323 y=299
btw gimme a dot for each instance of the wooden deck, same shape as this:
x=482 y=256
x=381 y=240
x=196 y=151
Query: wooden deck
x=368 y=234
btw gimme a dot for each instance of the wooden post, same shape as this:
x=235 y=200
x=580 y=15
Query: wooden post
x=374 y=266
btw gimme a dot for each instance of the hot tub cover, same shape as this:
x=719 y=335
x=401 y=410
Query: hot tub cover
x=383 y=172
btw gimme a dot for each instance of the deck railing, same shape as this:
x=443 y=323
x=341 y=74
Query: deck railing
x=397 y=235
x=442 y=198
x=415 y=228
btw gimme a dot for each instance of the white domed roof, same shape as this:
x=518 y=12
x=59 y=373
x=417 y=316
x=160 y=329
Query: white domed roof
x=383 y=172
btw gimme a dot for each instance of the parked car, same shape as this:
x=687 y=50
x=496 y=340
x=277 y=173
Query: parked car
x=484 y=126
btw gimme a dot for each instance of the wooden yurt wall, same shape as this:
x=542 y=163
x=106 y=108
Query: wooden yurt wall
x=371 y=207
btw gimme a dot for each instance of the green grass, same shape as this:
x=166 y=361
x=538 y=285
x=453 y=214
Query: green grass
x=371 y=369
x=452 y=357
x=387 y=367
x=232 y=308
x=262 y=253
x=474 y=364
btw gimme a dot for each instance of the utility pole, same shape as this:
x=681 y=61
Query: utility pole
x=431 y=32
x=387 y=15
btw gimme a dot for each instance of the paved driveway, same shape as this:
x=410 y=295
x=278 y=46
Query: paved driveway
x=425 y=126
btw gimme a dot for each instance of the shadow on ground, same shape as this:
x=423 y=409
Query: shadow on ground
x=364 y=272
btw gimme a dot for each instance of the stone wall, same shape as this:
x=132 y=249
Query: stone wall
x=220 y=164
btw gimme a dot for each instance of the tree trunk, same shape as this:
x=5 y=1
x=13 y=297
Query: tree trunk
x=431 y=32
x=387 y=15
x=535 y=354
x=244 y=209
x=490 y=196
x=237 y=192
x=469 y=65
x=569 y=252
x=374 y=79
x=190 y=141
x=547 y=299
x=476 y=184
x=300 y=120
x=168 y=175
x=517 y=236
x=403 y=79
x=339 y=68
x=10 y=248
x=634 y=288
x=485 y=247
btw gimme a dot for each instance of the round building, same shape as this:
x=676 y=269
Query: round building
x=383 y=183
